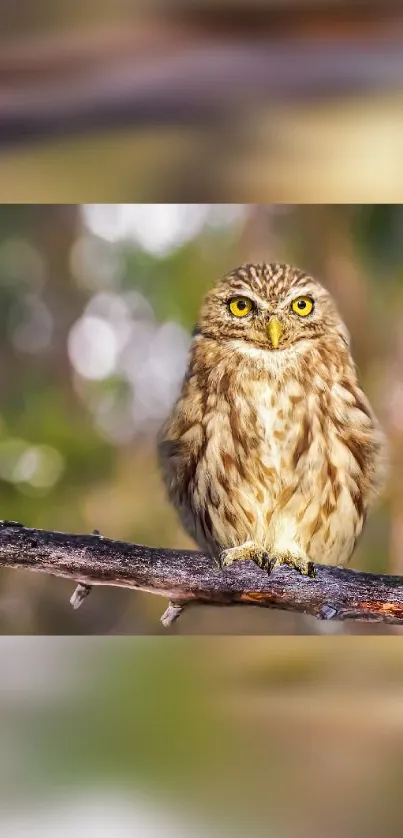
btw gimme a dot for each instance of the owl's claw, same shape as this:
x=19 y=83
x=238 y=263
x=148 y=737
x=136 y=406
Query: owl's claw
x=297 y=562
x=265 y=560
x=245 y=552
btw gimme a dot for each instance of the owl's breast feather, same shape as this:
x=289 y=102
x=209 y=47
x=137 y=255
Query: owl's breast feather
x=273 y=453
x=290 y=475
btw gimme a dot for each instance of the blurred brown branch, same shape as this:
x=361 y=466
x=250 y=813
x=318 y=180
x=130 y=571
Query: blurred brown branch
x=187 y=577
x=206 y=80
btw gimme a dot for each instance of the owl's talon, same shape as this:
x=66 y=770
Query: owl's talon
x=263 y=560
x=302 y=564
x=247 y=552
x=267 y=561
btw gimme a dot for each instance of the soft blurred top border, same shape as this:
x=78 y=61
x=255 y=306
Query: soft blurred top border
x=266 y=97
x=178 y=71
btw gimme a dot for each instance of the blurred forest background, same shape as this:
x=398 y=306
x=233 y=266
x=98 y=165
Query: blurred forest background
x=213 y=100
x=97 y=303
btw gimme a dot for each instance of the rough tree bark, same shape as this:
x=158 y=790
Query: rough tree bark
x=187 y=577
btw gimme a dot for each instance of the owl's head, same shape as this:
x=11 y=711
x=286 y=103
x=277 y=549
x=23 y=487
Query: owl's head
x=271 y=306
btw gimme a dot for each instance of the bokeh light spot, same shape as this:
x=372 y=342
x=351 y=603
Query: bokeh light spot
x=93 y=347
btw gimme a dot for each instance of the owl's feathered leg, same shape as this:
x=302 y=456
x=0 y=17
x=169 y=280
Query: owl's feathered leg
x=267 y=560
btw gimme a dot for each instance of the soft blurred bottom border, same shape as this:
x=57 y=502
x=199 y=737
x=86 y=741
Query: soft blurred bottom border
x=341 y=149
x=201 y=736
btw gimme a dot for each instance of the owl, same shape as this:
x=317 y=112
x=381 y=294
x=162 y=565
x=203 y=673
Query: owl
x=272 y=451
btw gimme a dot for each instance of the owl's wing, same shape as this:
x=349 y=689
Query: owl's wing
x=177 y=460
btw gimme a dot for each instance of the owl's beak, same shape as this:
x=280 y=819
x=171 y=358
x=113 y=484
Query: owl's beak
x=274 y=330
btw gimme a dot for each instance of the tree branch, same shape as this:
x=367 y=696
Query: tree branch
x=186 y=577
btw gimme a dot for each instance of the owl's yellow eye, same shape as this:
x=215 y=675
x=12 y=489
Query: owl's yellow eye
x=240 y=306
x=302 y=306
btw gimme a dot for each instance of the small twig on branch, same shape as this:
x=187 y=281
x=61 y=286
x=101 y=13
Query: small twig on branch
x=79 y=595
x=184 y=576
x=81 y=592
x=172 y=613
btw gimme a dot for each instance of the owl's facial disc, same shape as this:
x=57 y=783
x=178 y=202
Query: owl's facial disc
x=270 y=307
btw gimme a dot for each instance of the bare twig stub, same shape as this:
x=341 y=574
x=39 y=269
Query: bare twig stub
x=183 y=576
x=79 y=595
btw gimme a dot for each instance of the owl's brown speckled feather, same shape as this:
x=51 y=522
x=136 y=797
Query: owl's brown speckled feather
x=272 y=452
